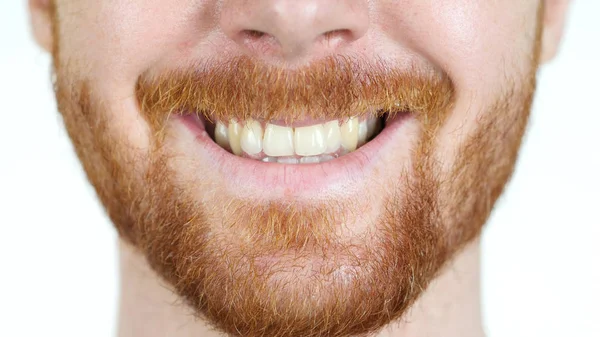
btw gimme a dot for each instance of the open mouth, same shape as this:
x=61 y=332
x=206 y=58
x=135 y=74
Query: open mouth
x=305 y=142
x=307 y=159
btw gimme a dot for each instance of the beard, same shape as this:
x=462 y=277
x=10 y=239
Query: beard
x=295 y=267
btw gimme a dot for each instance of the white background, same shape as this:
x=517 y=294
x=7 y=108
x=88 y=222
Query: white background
x=58 y=261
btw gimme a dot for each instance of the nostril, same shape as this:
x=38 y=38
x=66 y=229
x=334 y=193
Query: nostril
x=251 y=34
x=345 y=33
x=294 y=29
x=336 y=37
x=257 y=40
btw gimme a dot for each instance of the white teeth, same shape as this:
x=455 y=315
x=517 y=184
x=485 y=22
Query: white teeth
x=234 y=132
x=310 y=160
x=303 y=160
x=287 y=160
x=333 y=138
x=349 y=132
x=251 y=138
x=221 y=135
x=269 y=160
x=362 y=133
x=278 y=141
x=310 y=140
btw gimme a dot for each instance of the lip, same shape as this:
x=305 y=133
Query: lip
x=253 y=177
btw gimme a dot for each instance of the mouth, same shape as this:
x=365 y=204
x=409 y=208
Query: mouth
x=305 y=142
x=271 y=157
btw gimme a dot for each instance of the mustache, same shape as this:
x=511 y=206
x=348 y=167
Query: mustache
x=335 y=87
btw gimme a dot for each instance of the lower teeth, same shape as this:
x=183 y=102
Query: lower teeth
x=300 y=160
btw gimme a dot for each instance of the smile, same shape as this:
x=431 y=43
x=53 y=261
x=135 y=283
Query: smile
x=307 y=144
x=272 y=158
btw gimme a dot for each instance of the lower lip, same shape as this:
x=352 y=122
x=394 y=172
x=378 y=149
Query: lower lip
x=294 y=180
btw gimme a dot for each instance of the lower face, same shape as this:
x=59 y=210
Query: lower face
x=308 y=216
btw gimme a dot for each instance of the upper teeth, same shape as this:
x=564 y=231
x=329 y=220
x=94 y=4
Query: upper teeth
x=311 y=141
x=278 y=141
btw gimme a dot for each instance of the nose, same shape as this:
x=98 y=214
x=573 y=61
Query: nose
x=294 y=28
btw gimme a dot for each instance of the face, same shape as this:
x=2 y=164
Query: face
x=297 y=168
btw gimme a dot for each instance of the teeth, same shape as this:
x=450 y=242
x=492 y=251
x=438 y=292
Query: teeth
x=269 y=160
x=288 y=160
x=349 y=132
x=304 y=160
x=310 y=140
x=316 y=159
x=362 y=133
x=372 y=126
x=234 y=132
x=310 y=160
x=278 y=141
x=251 y=138
x=302 y=145
x=333 y=138
x=221 y=135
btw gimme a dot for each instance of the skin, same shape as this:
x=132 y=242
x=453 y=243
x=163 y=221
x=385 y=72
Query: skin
x=398 y=235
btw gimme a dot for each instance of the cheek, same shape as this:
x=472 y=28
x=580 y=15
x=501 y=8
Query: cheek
x=108 y=44
x=486 y=47
x=118 y=39
x=479 y=43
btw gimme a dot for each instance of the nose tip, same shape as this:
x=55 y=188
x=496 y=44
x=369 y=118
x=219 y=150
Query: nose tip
x=294 y=28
